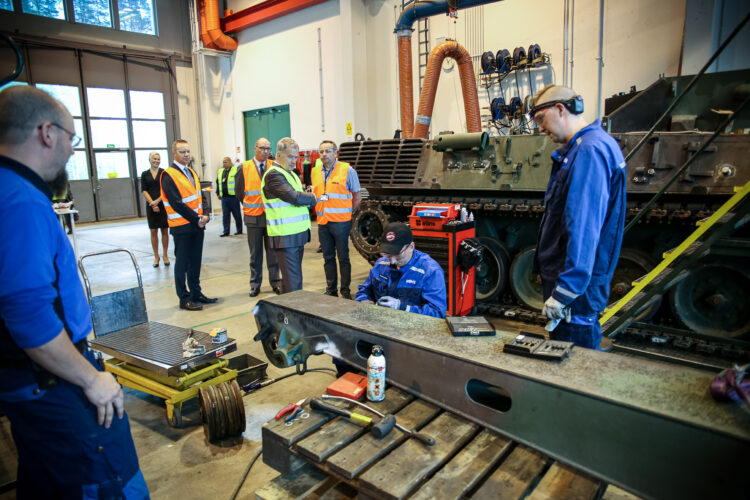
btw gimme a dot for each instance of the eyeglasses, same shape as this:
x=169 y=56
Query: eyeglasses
x=74 y=139
x=264 y=148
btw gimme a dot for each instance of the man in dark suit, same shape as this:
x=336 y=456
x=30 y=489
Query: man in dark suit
x=248 y=191
x=181 y=192
x=287 y=213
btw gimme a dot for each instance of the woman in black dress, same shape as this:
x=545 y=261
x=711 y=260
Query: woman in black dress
x=155 y=212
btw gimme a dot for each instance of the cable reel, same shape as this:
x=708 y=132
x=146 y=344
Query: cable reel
x=488 y=62
x=498 y=108
x=519 y=57
x=534 y=56
x=515 y=107
x=503 y=61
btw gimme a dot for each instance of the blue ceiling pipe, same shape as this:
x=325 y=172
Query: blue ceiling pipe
x=427 y=8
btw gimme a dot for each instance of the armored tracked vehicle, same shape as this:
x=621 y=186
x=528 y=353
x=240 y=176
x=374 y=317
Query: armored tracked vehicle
x=502 y=181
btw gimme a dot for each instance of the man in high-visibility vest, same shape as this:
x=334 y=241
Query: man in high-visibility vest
x=226 y=191
x=287 y=214
x=181 y=193
x=248 y=192
x=336 y=185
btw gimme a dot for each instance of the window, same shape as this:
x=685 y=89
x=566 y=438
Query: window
x=78 y=165
x=94 y=12
x=106 y=103
x=6 y=4
x=147 y=104
x=112 y=165
x=137 y=15
x=47 y=8
x=149 y=127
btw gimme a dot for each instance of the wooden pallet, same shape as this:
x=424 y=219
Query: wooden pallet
x=329 y=457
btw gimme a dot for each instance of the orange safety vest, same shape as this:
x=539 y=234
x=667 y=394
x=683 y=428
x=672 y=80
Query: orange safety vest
x=252 y=204
x=338 y=208
x=191 y=196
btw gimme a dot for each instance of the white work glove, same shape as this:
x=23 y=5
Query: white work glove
x=391 y=302
x=323 y=197
x=554 y=309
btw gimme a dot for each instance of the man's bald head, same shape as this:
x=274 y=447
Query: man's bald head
x=23 y=108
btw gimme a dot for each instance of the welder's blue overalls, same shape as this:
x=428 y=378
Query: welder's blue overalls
x=62 y=450
x=581 y=231
x=419 y=285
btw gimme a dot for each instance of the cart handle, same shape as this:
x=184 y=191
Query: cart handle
x=103 y=252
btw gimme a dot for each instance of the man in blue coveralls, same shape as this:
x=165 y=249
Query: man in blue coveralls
x=581 y=231
x=67 y=416
x=404 y=278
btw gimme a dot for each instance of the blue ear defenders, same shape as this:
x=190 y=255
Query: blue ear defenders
x=574 y=105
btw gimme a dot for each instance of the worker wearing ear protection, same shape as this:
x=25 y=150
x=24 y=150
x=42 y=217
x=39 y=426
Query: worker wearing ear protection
x=581 y=231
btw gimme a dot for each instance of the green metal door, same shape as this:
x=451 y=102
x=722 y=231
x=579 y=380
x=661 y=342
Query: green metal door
x=271 y=123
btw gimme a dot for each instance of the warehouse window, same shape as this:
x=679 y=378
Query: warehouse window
x=149 y=127
x=6 y=4
x=137 y=16
x=78 y=165
x=95 y=12
x=46 y=8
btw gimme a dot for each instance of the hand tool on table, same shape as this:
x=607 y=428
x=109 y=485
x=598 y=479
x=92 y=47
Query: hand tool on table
x=293 y=410
x=378 y=427
x=428 y=440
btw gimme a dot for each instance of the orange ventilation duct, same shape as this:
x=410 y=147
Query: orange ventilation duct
x=405 y=86
x=213 y=29
x=207 y=43
x=432 y=75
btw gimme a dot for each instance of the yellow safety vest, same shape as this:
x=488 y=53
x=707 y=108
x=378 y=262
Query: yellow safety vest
x=230 y=181
x=282 y=218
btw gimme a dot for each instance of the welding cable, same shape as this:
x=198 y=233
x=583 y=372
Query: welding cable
x=244 y=474
x=255 y=385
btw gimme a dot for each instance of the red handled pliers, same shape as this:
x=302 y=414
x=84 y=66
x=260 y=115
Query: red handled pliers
x=293 y=409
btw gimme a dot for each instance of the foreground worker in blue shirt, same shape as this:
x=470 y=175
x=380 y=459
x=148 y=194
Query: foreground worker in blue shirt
x=66 y=414
x=404 y=278
x=581 y=231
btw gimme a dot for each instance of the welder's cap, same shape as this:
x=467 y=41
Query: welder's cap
x=549 y=96
x=395 y=237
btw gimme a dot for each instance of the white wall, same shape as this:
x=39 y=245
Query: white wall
x=277 y=62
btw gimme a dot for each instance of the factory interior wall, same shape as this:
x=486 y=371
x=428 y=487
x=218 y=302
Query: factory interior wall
x=642 y=40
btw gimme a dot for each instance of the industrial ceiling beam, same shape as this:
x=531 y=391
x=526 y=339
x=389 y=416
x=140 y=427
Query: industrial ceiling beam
x=262 y=13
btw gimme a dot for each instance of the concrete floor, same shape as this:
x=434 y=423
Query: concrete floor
x=181 y=463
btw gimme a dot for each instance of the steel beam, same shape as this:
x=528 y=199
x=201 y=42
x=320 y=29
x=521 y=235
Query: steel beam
x=262 y=13
x=649 y=427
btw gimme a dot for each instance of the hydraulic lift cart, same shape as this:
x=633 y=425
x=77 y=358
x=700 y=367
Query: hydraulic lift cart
x=147 y=355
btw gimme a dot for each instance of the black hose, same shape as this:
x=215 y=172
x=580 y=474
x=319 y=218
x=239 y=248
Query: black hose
x=19 y=60
x=244 y=474
x=273 y=380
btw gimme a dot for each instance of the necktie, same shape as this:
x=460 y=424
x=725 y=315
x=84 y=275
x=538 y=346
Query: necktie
x=189 y=176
